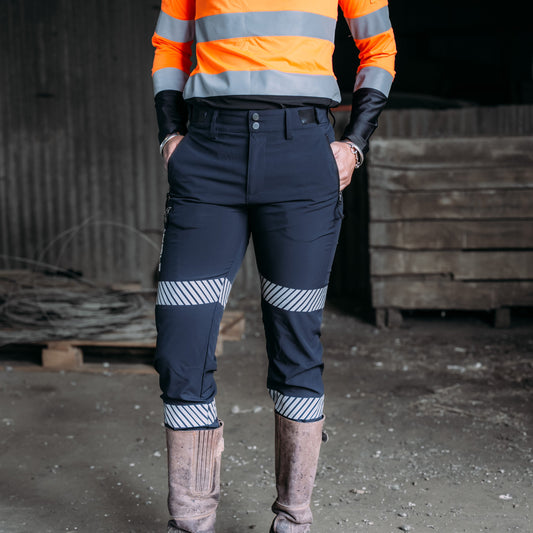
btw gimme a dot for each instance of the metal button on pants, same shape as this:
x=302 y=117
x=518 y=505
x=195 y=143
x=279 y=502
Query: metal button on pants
x=271 y=175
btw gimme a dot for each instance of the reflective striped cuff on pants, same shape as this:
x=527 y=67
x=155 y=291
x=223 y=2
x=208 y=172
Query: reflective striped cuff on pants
x=298 y=408
x=190 y=415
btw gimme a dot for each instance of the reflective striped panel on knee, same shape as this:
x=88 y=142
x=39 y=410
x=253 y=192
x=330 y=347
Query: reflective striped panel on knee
x=298 y=408
x=299 y=300
x=194 y=292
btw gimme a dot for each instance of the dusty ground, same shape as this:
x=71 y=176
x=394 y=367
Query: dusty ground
x=430 y=430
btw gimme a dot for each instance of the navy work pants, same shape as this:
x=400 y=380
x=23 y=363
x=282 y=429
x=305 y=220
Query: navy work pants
x=270 y=174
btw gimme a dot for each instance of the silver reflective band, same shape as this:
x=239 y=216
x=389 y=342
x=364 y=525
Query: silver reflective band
x=374 y=78
x=190 y=415
x=297 y=408
x=173 y=29
x=262 y=82
x=265 y=24
x=169 y=79
x=296 y=300
x=193 y=292
x=371 y=24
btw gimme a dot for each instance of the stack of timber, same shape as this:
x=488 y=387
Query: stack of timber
x=451 y=225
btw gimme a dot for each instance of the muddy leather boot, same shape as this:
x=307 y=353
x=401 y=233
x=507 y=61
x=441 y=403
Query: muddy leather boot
x=297 y=449
x=193 y=479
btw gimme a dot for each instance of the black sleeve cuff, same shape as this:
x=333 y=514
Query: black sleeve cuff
x=172 y=113
x=367 y=104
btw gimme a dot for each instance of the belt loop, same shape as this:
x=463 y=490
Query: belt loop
x=317 y=115
x=288 y=124
x=213 y=126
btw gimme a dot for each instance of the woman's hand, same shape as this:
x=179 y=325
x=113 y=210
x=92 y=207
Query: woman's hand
x=171 y=145
x=345 y=162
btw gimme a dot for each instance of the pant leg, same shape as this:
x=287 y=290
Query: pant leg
x=295 y=234
x=204 y=243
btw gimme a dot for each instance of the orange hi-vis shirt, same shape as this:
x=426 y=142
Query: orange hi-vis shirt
x=213 y=48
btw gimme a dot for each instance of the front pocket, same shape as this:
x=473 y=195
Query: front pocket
x=333 y=164
x=177 y=149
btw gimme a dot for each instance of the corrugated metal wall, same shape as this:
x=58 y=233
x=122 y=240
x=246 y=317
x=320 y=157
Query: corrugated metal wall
x=81 y=182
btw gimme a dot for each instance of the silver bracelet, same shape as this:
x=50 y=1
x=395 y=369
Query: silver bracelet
x=356 y=151
x=165 y=141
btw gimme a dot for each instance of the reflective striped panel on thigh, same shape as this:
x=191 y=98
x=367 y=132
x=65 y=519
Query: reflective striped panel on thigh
x=194 y=292
x=299 y=300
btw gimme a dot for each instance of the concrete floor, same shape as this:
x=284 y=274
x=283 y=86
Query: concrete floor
x=430 y=430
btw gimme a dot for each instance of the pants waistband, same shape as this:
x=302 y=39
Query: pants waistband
x=261 y=120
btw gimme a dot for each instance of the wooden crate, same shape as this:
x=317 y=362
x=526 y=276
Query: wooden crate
x=451 y=225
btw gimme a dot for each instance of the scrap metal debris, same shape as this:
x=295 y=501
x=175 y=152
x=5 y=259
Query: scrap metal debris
x=37 y=307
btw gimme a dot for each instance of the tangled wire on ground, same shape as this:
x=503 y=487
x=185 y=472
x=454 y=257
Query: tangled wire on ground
x=38 y=307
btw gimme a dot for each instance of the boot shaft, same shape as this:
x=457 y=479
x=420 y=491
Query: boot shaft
x=194 y=478
x=297 y=447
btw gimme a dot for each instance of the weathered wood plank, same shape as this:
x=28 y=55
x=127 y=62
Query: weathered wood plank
x=66 y=354
x=460 y=265
x=458 y=152
x=59 y=356
x=388 y=318
x=232 y=326
x=448 y=294
x=454 y=234
x=451 y=123
x=380 y=318
x=483 y=204
x=502 y=317
x=407 y=179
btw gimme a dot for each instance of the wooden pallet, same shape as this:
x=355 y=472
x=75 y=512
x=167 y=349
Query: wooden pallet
x=451 y=226
x=67 y=354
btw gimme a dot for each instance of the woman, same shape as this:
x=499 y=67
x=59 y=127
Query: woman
x=242 y=92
